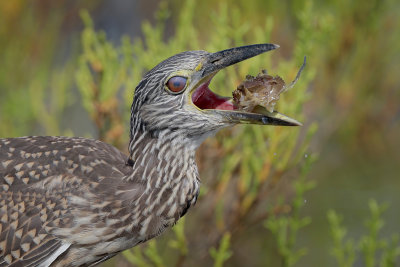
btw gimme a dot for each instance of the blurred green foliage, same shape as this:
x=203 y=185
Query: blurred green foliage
x=33 y=92
x=102 y=72
x=223 y=253
x=286 y=227
x=349 y=89
x=374 y=250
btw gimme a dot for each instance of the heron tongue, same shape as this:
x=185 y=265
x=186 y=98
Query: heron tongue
x=204 y=98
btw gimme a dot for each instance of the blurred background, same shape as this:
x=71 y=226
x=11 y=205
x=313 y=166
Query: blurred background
x=70 y=68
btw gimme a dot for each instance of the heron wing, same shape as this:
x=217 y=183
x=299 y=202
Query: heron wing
x=38 y=178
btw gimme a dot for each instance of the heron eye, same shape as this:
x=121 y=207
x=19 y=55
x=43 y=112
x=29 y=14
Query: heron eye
x=176 y=84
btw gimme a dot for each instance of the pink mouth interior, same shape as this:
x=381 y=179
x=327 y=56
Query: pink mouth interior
x=204 y=98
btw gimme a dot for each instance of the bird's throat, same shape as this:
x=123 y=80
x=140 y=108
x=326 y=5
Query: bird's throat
x=204 y=98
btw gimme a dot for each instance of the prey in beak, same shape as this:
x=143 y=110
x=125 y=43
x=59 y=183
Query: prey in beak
x=203 y=98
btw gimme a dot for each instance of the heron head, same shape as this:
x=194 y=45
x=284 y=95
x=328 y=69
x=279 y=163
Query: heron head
x=174 y=97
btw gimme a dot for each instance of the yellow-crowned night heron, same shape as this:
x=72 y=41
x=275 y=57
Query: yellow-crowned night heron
x=77 y=202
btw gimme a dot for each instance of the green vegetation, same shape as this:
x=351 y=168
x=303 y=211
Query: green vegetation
x=33 y=93
x=285 y=227
x=347 y=98
x=373 y=250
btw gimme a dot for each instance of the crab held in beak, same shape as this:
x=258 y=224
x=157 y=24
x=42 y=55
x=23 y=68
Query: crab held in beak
x=253 y=100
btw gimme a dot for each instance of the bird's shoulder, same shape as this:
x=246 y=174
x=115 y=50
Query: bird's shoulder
x=48 y=183
x=29 y=160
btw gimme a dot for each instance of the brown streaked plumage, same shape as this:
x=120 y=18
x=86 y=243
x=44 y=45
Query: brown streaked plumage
x=77 y=202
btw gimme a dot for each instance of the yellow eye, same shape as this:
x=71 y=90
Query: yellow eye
x=176 y=84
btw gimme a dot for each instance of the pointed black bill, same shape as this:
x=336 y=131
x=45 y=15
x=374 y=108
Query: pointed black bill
x=222 y=59
x=263 y=117
x=226 y=112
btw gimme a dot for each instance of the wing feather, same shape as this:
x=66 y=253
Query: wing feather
x=40 y=178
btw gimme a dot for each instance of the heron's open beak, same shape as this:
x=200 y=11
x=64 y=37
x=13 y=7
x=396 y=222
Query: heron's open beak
x=208 y=101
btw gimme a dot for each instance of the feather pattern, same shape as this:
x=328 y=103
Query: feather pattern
x=77 y=202
x=82 y=200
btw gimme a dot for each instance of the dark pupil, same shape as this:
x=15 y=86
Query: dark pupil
x=176 y=84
